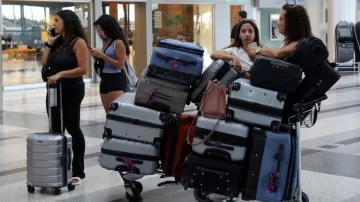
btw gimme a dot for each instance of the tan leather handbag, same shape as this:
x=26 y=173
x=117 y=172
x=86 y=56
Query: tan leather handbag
x=213 y=105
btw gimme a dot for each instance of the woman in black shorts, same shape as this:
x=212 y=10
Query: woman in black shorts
x=115 y=52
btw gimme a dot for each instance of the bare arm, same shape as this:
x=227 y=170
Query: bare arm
x=82 y=57
x=45 y=55
x=120 y=51
x=279 y=53
x=222 y=54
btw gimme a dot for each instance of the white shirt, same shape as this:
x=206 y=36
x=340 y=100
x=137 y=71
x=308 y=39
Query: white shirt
x=244 y=58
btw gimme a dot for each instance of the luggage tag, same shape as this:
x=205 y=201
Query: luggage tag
x=273 y=183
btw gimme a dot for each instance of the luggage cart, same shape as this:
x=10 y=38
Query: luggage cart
x=303 y=112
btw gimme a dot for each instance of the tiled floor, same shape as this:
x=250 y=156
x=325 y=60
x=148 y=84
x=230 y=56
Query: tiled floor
x=331 y=157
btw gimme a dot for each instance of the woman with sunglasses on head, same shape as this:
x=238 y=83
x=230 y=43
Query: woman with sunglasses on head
x=294 y=24
x=247 y=33
x=66 y=53
x=115 y=52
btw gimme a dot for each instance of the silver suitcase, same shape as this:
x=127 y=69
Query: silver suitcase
x=129 y=156
x=129 y=121
x=49 y=155
x=162 y=95
x=228 y=141
x=254 y=105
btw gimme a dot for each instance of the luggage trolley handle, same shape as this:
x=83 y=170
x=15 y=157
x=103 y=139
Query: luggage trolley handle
x=52 y=102
x=299 y=108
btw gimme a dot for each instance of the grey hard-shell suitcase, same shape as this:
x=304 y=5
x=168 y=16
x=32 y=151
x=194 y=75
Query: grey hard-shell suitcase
x=229 y=140
x=162 y=95
x=254 y=105
x=220 y=70
x=129 y=156
x=129 y=121
x=49 y=154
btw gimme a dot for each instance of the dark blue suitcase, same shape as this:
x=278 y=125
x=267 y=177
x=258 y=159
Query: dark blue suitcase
x=272 y=171
x=177 y=62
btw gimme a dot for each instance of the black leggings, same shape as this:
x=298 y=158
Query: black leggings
x=72 y=96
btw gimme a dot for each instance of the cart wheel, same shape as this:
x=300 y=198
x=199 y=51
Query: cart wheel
x=138 y=186
x=31 y=189
x=57 y=191
x=201 y=196
x=133 y=192
x=71 y=187
x=304 y=197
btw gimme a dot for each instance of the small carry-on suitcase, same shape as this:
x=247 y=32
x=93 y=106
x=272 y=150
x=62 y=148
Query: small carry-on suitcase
x=211 y=175
x=275 y=74
x=177 y=62
x=129 y=121
x=220 y=70
x=49 y=154
x=162 y=95
x=255 y=106
x=129 y=156
x=228 y=139
x=272 y=168
x=176 y=148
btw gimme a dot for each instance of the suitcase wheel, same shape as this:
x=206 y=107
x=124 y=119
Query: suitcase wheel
x=304 y=197
x=57 y=191
x=157 y=142
x=229 y=115
x=31 y=189
x=236 y=86
x=71 y=187
x=281 y=97
x=133 y=195
x=201 y=196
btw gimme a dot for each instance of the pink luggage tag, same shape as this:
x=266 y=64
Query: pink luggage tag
x=128 y=164
x=272 y=185
x=174 y=64
x=151 y=93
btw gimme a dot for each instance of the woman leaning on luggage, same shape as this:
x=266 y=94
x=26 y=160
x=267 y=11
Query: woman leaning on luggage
x=115 y=52
x=67 y=53
x=294 y=24
x=247 y=33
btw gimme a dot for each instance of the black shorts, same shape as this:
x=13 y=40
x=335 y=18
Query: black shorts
x=112 y=82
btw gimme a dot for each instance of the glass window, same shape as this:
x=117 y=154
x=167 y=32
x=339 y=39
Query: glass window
x=190 y=23
x=25 y=26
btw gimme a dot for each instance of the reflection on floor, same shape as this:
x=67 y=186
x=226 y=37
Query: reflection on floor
x=331 y=151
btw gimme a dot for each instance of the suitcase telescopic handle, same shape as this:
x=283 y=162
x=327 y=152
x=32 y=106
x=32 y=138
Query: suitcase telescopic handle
x=52 y=86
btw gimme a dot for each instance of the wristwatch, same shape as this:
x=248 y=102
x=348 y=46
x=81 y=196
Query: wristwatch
x=48 y=45
x=257 y=51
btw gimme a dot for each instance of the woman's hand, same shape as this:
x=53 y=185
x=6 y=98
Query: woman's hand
x=251 y=51
x=54 y=78
x=52 y=39
x=237 y=65
x=95 y=52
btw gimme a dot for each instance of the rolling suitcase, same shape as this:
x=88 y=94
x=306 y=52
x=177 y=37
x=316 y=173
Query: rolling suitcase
x=212 y=175
x=275 y=74
x=176 y=148
x=162 y=95
x=220 y=70
x=272 y=168
x=129 y=121
x=255 y=106
x=49 y=154
x=228 y=139
x=129 y=156
x=176 y=61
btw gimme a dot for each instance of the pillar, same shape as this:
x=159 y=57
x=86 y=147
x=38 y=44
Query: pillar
x=316 y=12
x=1 y=72
x=338 y=10
x=221 y=28
x=97 y=12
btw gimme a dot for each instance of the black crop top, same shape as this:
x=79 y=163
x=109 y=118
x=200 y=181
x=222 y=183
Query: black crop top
x=64 y=60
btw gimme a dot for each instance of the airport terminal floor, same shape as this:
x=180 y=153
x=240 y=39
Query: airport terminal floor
x=330 y=157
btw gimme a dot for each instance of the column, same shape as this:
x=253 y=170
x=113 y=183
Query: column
x=316 y=12
x=222 y=29
x=338 y=10
x=97 y=12
x=1 y=72
x=149 y=31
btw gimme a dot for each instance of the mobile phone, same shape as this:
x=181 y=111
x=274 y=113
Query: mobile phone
x=253 y=44
x=52 y=32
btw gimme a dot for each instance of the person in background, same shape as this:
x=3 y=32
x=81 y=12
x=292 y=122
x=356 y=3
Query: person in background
x=294 y=24
x=113 y=78
x=242 y=16
x=67 y=53
x=248 y=33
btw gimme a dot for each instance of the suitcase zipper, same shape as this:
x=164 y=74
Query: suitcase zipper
x=255 y=108
x=133 y=121
x=130 y=155
x=176 y=60
x=180 y=48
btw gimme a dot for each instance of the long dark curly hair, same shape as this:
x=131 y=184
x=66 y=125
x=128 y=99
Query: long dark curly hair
x=112 y=30
x=238 y=42
x=72 y=29
x=297 y=23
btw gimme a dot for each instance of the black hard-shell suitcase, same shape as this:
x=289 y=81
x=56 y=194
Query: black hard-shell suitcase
x=275 y=74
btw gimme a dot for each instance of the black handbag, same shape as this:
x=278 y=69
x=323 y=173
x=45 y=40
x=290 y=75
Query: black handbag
x=47 y=71
x=99 y=62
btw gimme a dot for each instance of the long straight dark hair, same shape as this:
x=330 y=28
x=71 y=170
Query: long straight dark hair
x=238 y=42
x=112 y=30
x=72 y=29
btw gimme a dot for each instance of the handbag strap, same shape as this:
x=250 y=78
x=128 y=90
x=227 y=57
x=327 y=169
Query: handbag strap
x=200 y=110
